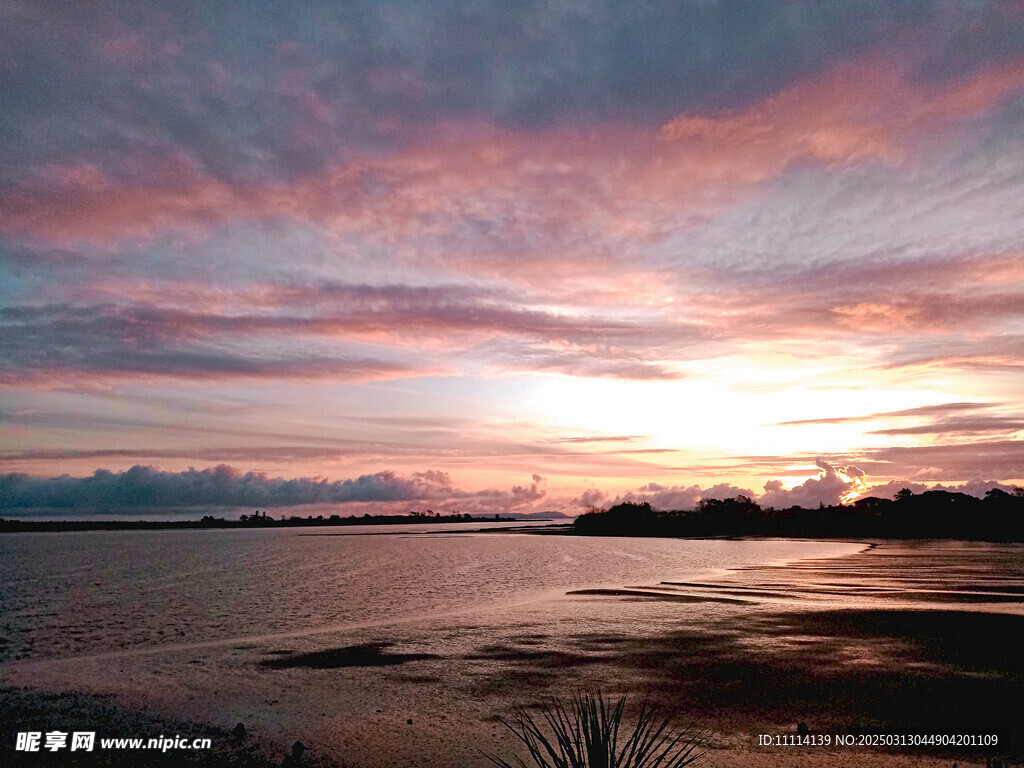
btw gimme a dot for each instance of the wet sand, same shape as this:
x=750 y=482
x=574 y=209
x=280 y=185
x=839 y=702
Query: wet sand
x=900 y=637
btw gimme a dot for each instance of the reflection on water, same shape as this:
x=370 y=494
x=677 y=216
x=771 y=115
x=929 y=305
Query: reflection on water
x=94 y=592
x=382 y=650
x=977 y=576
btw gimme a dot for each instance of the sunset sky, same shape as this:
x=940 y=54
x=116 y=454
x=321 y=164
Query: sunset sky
x=497 y=256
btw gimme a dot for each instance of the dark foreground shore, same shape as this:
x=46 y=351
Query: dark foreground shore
x=26 y=710
x=901 y=638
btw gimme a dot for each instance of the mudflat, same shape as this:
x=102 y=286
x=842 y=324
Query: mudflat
x=897 y=638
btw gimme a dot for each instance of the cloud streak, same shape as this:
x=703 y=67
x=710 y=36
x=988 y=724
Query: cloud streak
x=138 y=339
x=940 y=409
x=959 y=426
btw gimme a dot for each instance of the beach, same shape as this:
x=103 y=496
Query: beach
x=858 y=638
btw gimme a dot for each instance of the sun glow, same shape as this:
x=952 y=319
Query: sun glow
x=856 y=482
x=720 y=413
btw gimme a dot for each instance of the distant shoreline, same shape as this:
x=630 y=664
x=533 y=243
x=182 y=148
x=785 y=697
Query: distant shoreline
x=245 y=522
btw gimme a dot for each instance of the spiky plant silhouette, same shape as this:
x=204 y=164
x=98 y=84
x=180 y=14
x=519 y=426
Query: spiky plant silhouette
x=587 y=735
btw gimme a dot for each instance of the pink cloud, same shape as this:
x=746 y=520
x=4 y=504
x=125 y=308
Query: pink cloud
x=975 y=487
x=865 y=110
x=622 y=182
x=910 y=300
x=833 y=485
x=592 y=498
x=676 y=497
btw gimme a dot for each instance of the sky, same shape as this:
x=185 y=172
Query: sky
x=494 y=257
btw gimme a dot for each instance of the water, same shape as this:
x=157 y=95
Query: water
x=84 y=593
x=402 y=647
x=374 y=647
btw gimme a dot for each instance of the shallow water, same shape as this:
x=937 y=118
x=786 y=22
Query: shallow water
x=78 y=593
x=402 y=649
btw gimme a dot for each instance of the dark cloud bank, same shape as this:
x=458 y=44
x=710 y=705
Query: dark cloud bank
x=142 y=489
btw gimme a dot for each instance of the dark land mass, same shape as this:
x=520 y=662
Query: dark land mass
x=256 y=520
x=929 y=515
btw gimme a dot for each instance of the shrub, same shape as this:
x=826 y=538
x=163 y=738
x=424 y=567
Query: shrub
x=586 y=735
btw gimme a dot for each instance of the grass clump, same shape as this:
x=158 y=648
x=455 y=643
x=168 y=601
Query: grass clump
x=587 y=735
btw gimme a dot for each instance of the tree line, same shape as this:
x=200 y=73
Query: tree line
x=999 y=516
